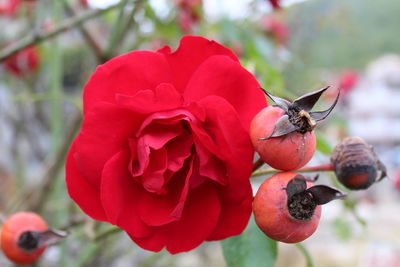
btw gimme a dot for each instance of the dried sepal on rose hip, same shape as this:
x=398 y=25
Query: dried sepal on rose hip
x=356 y=165
x=25 y=236
x=283 y=134
x=287 y=206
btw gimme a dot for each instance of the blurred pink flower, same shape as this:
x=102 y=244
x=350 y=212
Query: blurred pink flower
x=188 y=14
x=275 y=28
x=23 y=62
x=347 y=80
x=9 y=7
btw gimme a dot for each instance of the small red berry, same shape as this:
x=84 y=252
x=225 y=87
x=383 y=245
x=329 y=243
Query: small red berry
x=15 y=231
x=283 y=135
x=287 y=207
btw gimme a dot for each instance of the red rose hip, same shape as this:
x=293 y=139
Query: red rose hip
x=286 y=206
x=290 y=152
x=14 y=230
x=25 y=236
x=283 y=135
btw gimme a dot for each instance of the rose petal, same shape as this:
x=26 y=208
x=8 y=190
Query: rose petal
x=221 y=76
x=126 y=74
x=157 y=135
x=169 y=117
x=157 y=210
x=191 y=53
x=105 y=130
x=199 y=218
x=153 y=177
x=120 y=196
x=233 y=219
x=82 y=192
x=240 y=162
x=210 y=166
x=164 y=97
x=178 y=150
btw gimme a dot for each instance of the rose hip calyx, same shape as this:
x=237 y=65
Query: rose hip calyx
x=32 y=240
x=298 y=116
x=301 y=202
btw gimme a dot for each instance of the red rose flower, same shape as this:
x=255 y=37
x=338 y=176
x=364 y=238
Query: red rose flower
x=164 y=151
x=24 y=61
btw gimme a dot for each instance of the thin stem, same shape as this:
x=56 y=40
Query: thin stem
x=306 y=253
x=116 y=29
x=30 y=198
x=258 y=164
x=106 y=233
x=86 y=34
x=41 y=36
x=120 y=28
x=318 y=168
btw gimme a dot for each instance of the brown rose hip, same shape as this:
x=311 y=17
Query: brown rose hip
x=356 y=164
x=287 y=206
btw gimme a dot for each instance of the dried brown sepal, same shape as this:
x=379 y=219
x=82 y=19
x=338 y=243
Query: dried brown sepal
x=307 y=102
x=301 y=202
x=295 y=186
x=356 y=164
x=282 y=127
x=31 y=240
x=323 y=194
x=321 y=115
x=297 y=114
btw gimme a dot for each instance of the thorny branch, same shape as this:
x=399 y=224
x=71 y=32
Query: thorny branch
x=68 y=24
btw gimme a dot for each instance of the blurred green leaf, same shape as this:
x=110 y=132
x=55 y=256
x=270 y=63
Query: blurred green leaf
x=342 y=228
x=250 y=249
x=323 y=145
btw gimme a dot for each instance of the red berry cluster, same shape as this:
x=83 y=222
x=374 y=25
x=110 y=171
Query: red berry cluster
x=287 y=205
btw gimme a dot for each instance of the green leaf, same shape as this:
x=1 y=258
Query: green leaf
x=323 y=145
x=250 y=249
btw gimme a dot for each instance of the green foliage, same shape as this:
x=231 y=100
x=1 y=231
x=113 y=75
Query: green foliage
x=336 y=34
x=342 y=228
x=250 y=249
x=323 y=144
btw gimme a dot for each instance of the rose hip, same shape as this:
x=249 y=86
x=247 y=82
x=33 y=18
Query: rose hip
x=287 y=206
x=15 y=230
x=284 y=135
x=356 y=164
x=290 y=152
x=25 y=236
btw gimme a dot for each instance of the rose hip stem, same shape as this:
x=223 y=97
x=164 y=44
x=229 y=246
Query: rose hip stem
x=318 y=168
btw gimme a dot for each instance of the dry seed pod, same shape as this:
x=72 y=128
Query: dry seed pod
x=356 y=164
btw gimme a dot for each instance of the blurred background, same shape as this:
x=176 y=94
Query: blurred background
x=49 y=48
